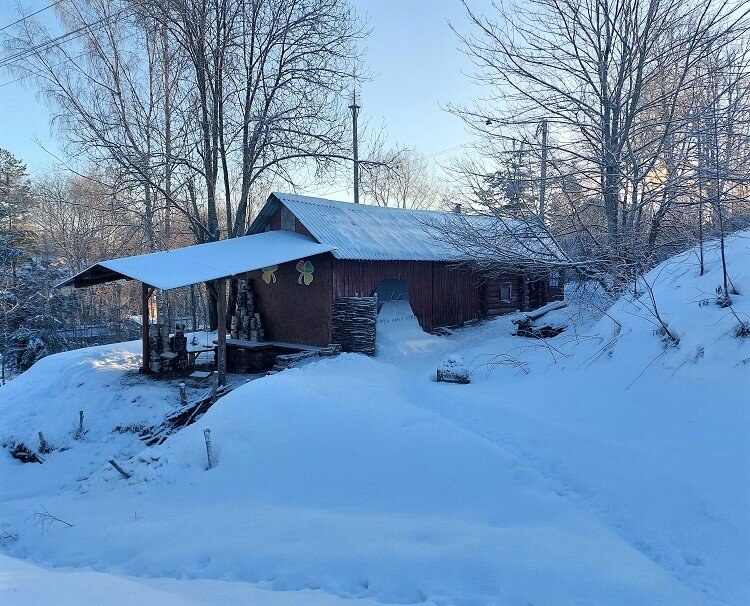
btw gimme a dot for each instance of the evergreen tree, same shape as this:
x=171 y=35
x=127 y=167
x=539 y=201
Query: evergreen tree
x=509 y=189
x=31 y=309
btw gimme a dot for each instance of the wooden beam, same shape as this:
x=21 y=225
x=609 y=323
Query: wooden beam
x=145 y=294
x=221 y=358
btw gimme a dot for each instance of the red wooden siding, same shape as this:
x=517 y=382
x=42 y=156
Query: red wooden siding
x=455 y=295
x=293 y=312
x=440 y=295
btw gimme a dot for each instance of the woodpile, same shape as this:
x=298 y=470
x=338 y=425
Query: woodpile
x=185 y=415
x=245 y=323
x=333 y=349
x=284 y=361
x=23 y=453
x=158 y=337
x=354 y=320
x=529 y=325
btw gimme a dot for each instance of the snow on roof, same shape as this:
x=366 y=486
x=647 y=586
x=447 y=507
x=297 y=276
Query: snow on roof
x=202 y=262
x=361 y=231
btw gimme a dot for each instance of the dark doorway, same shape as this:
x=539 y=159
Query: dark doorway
x=536 y=293
x=392 y=290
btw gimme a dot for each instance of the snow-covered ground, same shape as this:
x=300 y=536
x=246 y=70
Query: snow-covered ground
x=599 y=467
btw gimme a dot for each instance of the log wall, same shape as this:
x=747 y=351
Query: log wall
x=491 y=303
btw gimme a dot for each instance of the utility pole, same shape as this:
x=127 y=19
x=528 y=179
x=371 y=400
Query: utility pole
x=543 y=175
x=355 y=107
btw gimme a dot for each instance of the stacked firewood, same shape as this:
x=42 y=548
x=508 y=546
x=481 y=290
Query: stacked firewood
x=245 y=323
x=158 y=337
x=354 y=321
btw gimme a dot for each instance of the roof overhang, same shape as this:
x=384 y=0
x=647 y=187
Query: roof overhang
x=202 y=262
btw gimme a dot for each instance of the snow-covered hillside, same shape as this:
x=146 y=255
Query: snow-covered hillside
x=599 y=467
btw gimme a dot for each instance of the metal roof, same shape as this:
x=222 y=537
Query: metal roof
x=366 y=232
x=202 y=262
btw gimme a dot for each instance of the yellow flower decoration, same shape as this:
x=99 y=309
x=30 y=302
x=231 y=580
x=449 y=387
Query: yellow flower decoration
x=305 y=269
x=269 y=274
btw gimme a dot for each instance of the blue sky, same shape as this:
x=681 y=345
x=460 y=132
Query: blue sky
x=412 y=54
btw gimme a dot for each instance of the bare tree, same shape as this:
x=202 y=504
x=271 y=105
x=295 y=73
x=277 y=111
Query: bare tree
x=613 y=80
x=399 y=177
x=200 y=105
x=723 y=126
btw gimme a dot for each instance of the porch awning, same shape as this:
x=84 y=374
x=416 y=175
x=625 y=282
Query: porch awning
x=202 y=262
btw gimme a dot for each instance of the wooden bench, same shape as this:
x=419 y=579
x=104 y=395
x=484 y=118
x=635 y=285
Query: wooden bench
x=263 y=345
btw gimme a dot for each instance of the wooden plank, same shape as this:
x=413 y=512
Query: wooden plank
x=260 y=345
x=244 y=344
x=540 y=312
x=201 y=374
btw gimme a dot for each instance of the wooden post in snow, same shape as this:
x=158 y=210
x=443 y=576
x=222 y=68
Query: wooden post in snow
x=146 y=366
x=209 y=451
x=221 y=358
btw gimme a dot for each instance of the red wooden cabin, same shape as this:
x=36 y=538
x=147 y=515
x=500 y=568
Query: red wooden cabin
x=391 y=252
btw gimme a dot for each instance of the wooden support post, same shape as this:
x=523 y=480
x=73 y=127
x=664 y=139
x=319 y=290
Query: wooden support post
x=145 y=294
x=221 y=358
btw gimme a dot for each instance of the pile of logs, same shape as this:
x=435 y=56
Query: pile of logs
x=245 y=323
x=528 y=324
x=186 y=414
x=23 y=453
x=158 y=337
x=354 y=320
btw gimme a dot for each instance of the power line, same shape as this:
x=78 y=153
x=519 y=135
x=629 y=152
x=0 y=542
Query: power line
x=449 y=149
x=61 y=39
x=437 y=153
x=22 y=19
x=9 y=82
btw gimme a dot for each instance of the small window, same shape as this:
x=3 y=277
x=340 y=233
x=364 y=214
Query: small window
x=504 y=292
x=554 y=279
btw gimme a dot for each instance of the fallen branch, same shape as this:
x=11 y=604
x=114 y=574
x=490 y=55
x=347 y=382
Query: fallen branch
x=45 y=519
x=531 y=316
x=123 y=473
